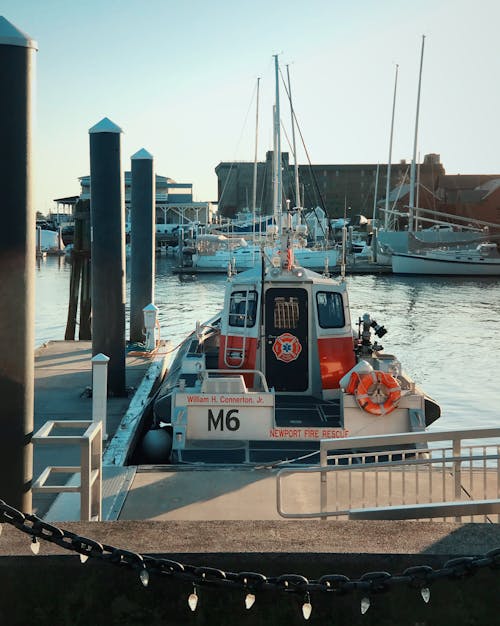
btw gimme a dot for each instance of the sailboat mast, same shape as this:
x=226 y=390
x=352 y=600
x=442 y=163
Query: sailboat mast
x=275 y=169
x=279 y=183
x=254 y=184
x=375 y=194
x=389 y=162
x=414 y=159
x=295 y=162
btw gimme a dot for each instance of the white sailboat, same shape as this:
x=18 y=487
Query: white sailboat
x=483 y=260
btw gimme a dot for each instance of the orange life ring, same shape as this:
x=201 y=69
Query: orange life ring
x=378 y=393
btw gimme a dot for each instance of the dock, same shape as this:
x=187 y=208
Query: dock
x=63 y=379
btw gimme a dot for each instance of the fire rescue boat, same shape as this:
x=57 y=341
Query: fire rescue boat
x=280 y=368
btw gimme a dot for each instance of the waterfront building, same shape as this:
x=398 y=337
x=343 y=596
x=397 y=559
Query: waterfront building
x=174 y=203
x=328 y=186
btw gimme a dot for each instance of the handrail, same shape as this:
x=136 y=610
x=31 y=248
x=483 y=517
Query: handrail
x=90 y=468
x=234 y=372
x=387 y=445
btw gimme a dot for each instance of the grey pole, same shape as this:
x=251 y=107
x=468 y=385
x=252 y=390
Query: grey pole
x=142 y=234
x=108 y=251
x=17 y=266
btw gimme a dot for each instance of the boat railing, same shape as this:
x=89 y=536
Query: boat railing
x=400 y=476
x=231 y=372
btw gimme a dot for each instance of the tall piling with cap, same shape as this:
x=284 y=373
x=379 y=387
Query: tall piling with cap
x=17 y=266
x=142 y=235
x=108 y=251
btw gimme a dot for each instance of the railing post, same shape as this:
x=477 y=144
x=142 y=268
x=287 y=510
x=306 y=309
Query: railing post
x=457 y=467
x=150 y=315
x=100 y=390
x=85 y=481
x=323 y=460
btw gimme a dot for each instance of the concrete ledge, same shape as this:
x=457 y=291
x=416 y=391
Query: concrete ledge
x=285 y=537
x=53 y=589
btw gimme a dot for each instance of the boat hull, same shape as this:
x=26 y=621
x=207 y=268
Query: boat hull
x=410 y=264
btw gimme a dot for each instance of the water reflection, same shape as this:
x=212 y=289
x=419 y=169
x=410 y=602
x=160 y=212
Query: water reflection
x=443 y=330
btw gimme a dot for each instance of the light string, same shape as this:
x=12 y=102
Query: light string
x=418 y=577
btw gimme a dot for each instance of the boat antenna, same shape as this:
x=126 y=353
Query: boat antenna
x=414 y=159
x=254 y=183
x=295 y=162
x=389 y=162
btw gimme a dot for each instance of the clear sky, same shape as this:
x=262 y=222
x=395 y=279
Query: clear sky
x=179 y=77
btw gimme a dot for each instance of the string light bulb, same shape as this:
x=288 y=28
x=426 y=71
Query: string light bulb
x=193 y=599
x=425 y=592
x=249 y=600
x=365 y=604
x=35 y=545
x=144 y=576
x=307 y=607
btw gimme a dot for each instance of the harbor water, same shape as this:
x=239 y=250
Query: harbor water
x=445 y=331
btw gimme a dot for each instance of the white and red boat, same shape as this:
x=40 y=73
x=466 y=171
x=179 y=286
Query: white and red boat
x=280 y=369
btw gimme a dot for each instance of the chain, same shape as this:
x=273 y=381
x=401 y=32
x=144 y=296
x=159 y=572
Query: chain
x=418 y=577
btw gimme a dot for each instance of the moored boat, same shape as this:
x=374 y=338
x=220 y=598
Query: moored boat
x=279 y=369
x=483 y=260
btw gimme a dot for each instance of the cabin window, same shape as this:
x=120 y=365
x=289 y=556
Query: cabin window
x=330 y=309
x=286 y=312
x=243 y=309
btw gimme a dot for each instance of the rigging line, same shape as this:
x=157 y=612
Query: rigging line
x=226 y=182
x=311 y=171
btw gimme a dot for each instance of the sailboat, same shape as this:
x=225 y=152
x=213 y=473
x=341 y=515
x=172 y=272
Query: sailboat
x=280 y=368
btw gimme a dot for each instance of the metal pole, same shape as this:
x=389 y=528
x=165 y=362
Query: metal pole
x=142 y=234
x=414 y=159
x=254 y=183
x=295 y=161
x=279 y=181
x=17 y=266
x=108 y=251
x=389 y=162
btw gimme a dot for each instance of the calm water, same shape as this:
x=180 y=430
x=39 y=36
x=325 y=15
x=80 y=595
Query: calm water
x=444 y=331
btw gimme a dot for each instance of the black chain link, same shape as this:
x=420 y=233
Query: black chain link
x=416 y=577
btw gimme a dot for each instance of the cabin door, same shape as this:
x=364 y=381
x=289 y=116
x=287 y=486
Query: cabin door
x=286 y=337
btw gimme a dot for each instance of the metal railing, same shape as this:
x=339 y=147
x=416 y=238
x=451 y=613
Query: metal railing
x=90 y=468
x=395 y=474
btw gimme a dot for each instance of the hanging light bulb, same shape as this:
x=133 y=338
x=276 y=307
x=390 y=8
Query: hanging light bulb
x=307 y=607
x=193 y=599
x=35 y=545
x=83 y=558
x=425 y=592
x=249 y=600
x=144 y=576
x=365 y=604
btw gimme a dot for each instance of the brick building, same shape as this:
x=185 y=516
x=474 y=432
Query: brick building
x=328 y=186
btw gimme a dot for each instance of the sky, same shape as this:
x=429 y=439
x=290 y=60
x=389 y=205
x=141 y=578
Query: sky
x=179 y=77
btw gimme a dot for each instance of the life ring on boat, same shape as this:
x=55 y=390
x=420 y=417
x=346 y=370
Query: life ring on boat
x=378 y=393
